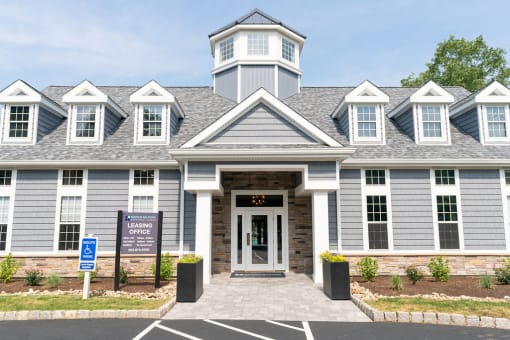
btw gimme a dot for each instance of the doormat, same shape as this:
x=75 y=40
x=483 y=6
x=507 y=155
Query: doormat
x=257 y=274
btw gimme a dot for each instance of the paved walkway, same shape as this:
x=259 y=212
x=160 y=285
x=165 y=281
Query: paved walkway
x=294 y=297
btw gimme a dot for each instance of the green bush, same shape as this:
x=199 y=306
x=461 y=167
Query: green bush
x=166 y=271
x=33 y=277
x=8 y=268
x=486 y=281
x=123 y=275
x=439 y=269
x=93 y=275
x=414 y=274
x=367 y=268
x=54 y=280
x=503 y=273
x=190 y=258
x=330 y=257
x=396 y=283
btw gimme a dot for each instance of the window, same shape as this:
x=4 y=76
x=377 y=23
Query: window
x=69 y=233
x=446 y=177
x=72 y=177
x=144 y=177
x=86 y=121
x=4 y=214
x=496 y=121
x=447 y=217
x=143 y=203
x=367 y=120
x=288 y=50
x=152 y=120
x=5 y=177
x=19 y=119
x=258 y=44
x=375 y=177
x=377 y=216
x=507 y=177
x=431 y=120
x=227 y=49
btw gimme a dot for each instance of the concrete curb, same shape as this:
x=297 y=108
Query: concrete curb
x=431 y=318
x=88 y=314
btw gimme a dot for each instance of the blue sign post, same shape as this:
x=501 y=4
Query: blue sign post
x=88 y=252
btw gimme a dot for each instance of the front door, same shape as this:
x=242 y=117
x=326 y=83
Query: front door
x=259 y=241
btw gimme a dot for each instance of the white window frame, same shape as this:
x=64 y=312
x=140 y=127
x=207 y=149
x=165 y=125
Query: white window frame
x=98 y=128
x=376 y=190
x=255 y=41
x=70 y=190
x=220 y=48
x=445 y=138
x=290 y=42
x=9 y=191
x=446 y=190
x=379 y=124
x=165 y=124
x=505 y=194
x=33 y=113
x=144 y=190
x=485 y=124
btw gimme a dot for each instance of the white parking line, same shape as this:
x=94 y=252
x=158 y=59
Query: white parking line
x=285 y=325
x=237 y=329
x=184 y=335
x=146 y=330
x=308 y=331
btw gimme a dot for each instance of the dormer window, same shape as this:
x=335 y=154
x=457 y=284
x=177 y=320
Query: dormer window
x=496 y=117
x=288 y=50
x=86 y=121
x=366 y=121
x=19 y=121
x=152 y=120
x=227 y=49
x=258 y=43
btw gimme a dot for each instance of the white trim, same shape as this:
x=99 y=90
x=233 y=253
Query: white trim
x=484 y=97
x=380 y=125
x=203 y=231
x=357 y=96
x=33 y=117
x=261 y=96
x=418 y=125
x=278 y=154
x=484 y=124
x=444 y=252
x=144 y=189
x=181 y=212
x=139 y=138
x=143 y=94
x=10 y=192
x=73 y=120
x=355 y=163
x=36 y=164
x=338 y=212
x=320 y=231
x=505 y=198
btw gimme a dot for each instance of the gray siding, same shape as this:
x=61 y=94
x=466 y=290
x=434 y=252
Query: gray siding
x=482 y=210
x=344 y=123
x=254 y=77
x=288 y=83
x=174 y=123
x=406 y=122
x=261 y=125
x=468 y=123
x=333 y=230
x=34 y=210
x=350 y=210
x=201 y=171
x=111 y=123
x=412 y=210
x=190 y=208
x=169 y=199
x=226 y=83
x=107 y=192
x=322 y=170
x=46 y=123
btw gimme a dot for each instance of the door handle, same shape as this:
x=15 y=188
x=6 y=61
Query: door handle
x=248 y=241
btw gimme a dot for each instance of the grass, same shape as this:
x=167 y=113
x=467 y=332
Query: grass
x=494 y=309
x=70 y=302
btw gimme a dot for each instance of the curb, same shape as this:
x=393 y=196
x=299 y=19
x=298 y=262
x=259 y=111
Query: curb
x=88 y=314
x=431 y=318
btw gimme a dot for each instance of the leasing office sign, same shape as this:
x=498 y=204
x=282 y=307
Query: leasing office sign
x=139 y=233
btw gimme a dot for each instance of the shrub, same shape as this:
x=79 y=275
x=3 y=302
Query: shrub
x=414 y=274
x=166 y=271
x=367 y=268
x=439 y=269
x=486 y=281
x=33 y=276
x=396 y=283
x=330 y=257
x=503 y=273
x=8 y=267
x=54 y=280
x=123 y=275
x=93 y=275
x=190 y=258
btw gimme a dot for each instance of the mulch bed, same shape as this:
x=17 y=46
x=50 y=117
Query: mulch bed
x=456 y=286
x=135 y=285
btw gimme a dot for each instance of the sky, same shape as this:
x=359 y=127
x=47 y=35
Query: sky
x=131 y=42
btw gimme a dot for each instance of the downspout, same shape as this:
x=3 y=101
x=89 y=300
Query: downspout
x=181 y=213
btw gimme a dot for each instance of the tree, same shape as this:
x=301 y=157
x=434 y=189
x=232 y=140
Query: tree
x=460 y=62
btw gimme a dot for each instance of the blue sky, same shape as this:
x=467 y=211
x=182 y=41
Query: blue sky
x=131 y=42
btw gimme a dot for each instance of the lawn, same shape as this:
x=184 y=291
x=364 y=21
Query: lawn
x=496 y=309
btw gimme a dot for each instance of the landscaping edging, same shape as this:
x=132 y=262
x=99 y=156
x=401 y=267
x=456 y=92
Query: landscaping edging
x=88 y=314
x=430 y=317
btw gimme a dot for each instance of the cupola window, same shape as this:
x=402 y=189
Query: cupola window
x=288 y=50
x=258 y=43
x=227 y=49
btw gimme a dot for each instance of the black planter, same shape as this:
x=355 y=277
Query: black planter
x=190 y=281
x=336 y=283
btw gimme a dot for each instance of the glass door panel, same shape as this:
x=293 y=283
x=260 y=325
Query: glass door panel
x=279 y=239
x=259 y=239
x=239 y=233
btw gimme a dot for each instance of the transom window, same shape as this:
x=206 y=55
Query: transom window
x=496 y=121
x=69 y=232
x=367 y=120
x=19 y=119
x=377 y=216
x=447 y=217
x=288 y=50
x=258 y=43
x=72 y=177
x=375 y=177
x=143 y=203
x=445 y=176
x=259 y=201
x=227 y=49
x=86 y=121
x=152 y=120
x=144 y=177
x=4 y=214
x=431 y=118
x=5 y=177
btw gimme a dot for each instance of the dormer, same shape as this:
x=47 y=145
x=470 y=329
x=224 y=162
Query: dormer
x=93 y=115
x=424 y=115
x=26 y=114
x=256 y=51
x=485 y=114
x=157 y=113
x=361 y=114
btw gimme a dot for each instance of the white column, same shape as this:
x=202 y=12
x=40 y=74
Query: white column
x=203 y=231
x=320 y=224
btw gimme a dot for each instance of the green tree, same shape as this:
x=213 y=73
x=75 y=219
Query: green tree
x=460 y=62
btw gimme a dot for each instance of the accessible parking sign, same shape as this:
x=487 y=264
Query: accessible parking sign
x=88 y=252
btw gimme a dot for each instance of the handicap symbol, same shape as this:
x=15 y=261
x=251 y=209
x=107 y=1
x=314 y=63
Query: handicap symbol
x=87 y=250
